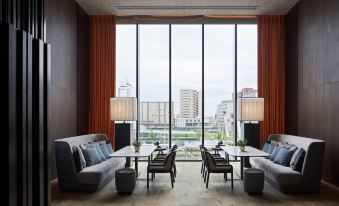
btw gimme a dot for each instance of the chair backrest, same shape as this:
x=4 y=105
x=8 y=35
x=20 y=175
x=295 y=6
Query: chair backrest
x=169 y=160
x=210 y=162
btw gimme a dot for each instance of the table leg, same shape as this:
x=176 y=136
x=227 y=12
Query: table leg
x=241 y=167
x=128 y=162
x=136 y=166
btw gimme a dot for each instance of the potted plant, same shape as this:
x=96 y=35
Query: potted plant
x=136 y=145
x=242 y=144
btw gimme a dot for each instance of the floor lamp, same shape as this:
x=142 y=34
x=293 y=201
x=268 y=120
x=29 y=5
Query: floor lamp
x=123 y=109
x=250 y=112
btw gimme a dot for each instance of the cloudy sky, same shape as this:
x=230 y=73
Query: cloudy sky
x=187 y=61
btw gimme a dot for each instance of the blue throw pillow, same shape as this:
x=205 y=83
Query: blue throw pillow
x=284 y=157
x=270 y=149
x=274 y=152
x=104 y=150
x=91 y=156
x=297 y=160
x=109 y=148
x=101 y=154
x=266 y=147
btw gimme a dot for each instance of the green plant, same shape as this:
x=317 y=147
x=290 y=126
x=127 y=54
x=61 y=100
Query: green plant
x=136 y=143
x=242 y=142
x=152 y=135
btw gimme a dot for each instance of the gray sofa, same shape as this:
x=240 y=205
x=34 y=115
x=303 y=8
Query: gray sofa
x=285 y=178
x=89 y=179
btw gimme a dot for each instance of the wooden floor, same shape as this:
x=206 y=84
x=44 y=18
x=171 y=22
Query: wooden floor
x=189 y=189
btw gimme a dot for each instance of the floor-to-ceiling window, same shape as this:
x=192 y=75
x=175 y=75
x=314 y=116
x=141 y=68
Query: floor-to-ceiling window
x=218 y=84
x=154 y=84
x=186 y=89
x=126 y=61
x=183 y=76
x=247 y=78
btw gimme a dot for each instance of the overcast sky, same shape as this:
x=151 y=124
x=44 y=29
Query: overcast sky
x=187 y=61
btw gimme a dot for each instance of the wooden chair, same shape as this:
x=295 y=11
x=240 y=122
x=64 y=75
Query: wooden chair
x=213 y=167
x=165 y=167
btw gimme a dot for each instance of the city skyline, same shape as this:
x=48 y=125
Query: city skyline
x=186 y=61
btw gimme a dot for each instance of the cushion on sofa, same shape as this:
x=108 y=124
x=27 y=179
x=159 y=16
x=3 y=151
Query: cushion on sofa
x=274 y=152
x=91 y=155
x=79 y=159
x=297 y=159
x=266 y=147
x=284 y=157
x=101 y=154
x=104 y=150
x=270 y=148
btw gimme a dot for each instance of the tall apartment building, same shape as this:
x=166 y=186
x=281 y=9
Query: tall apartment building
x=189 y=103
x=155 y=113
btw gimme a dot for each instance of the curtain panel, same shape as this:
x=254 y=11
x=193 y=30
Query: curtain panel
x=102 y=74
x=271 y=73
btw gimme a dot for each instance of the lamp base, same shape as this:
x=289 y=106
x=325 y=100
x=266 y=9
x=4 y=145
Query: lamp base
x=250 y=132
x=123 y=138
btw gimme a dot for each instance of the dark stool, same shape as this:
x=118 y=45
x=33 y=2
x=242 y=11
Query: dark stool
x=125 y=180
x=254 y=181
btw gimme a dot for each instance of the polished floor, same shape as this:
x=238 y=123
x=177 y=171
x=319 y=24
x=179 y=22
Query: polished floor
x=189 y=189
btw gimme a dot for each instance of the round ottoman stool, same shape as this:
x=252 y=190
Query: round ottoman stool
x=125 y=180
x=254 y=181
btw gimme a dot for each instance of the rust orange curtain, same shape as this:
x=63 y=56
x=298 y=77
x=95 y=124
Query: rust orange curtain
x=102 y=74
x=271 y=73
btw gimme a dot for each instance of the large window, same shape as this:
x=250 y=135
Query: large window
x=184 y=78
x=219 y=71
x=154 y=84
x=186 y=89
x=126 y=64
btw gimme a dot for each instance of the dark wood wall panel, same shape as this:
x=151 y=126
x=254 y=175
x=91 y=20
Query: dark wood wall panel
x=67 y=31
x=83 y=71
x=291 y=75
x=316 y=66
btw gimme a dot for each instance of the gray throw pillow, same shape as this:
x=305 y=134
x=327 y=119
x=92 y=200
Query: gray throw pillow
x=284 y=157
x=79 y=159
x=101 y=154
x=297 y=160
x=91 y=155
x=270 y=148
x=266 y=147
x=274 y=153
x=104 y=150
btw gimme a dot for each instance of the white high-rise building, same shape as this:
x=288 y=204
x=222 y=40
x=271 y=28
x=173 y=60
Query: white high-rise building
x=225 y=117
x=189 y=103
x=124 y=89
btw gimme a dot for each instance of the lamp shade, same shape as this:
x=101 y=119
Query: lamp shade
x=123 y=108
x=250 y=109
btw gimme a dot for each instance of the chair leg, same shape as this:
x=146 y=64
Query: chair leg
x=208 y=177
x=205 y=177
x=232 y=179
x=152 y=177
x=147 y=180
x=175 y=170
x=172 y=177
x=202 y=165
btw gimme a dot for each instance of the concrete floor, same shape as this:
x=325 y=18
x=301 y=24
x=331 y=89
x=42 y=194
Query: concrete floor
x=189 y=189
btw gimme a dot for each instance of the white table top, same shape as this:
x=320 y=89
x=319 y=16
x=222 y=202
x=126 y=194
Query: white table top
x=249 y=151
x=128 y=151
